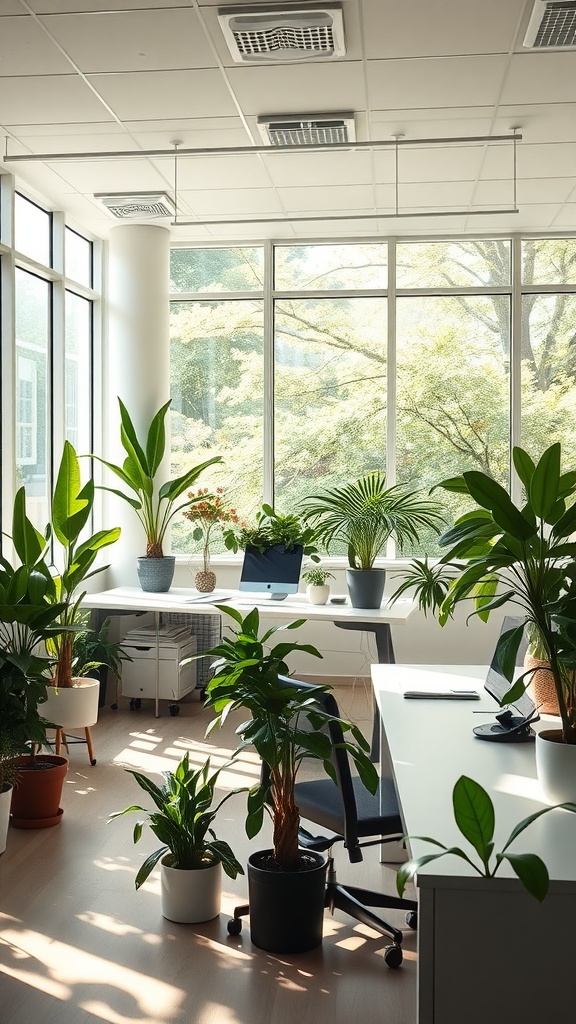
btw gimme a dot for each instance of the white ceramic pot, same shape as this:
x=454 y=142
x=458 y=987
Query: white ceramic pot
x=556 y=767
x=318 y=594
x=190 y=896
x=5 y=800
x=74 y=707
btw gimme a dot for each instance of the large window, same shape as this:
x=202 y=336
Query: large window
x=306 y=365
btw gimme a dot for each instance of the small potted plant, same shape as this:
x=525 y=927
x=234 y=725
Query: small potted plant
x=286 y=884
x=363 y=515
x=317 y=591
x=191 y=856
x=154 y=504
x=208 y=513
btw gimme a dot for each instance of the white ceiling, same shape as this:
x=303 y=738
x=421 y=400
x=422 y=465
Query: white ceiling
x=101 y=76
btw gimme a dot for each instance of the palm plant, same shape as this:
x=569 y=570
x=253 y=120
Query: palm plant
x=285 y=726
x=364 y=514
x=155 y=506
x=182 y=821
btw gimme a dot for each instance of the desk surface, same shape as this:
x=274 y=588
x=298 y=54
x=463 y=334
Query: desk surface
x=431 y=744
x=180 y=599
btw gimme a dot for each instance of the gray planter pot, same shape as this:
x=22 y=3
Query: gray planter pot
x=366 y=587
x=156 y=574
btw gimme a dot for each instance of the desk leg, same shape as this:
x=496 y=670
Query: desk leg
x=157 y=674
x=385 y=649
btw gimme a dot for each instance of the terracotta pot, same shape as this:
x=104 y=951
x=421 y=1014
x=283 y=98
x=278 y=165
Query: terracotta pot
x=38 y=791
x=5 y=798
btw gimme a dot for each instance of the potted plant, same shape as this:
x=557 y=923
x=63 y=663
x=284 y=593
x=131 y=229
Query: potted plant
x=500 y=552
x=208 y=513
x=474 y=816
x=272 y=529
x=364 y=515
x=317 y=590
x=29 y=618
x=73 y=698
x=191 y=856
x=18 y=721
x=155 y=504
x=286 y=884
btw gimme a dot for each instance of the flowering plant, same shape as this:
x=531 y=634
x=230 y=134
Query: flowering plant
x=207 y=512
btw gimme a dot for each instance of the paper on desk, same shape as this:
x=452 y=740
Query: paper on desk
x=427 y=680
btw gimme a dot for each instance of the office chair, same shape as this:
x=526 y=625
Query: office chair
x=348 y=811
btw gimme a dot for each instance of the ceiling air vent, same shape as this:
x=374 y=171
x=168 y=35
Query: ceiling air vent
x=138 y=205
x=284 y=33
x=307 y=129
x=552 y=25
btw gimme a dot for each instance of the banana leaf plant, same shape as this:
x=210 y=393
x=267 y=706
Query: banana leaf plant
x=474 y=816
x=524 y=554
x=285 y=726
x=71 y=509
x=154 y=505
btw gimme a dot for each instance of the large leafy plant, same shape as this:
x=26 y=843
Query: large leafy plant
x=501 y=552
x=182 y=820
x=71 y=509
x=271 y=528
x=285 y=726
x=474 y=816
x=155 y=505
x=365 y=513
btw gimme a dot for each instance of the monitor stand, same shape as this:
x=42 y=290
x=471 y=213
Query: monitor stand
x=278 y=597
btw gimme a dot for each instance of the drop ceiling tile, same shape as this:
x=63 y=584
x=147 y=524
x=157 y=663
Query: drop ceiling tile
x=301 y=168
x=433 y=163
x=444 y=195
x=26 y=50
x=10 y=7
x=540 y=122
x=385 y=124
x=565 y=219
x=63 y=6
x=191 y=133
x=352 y=198
x=63 y=144
x=153 y=40
x=53 y=100
x=111 y=176
x=541 y=78
x=552 y=161
x=434 y=83
x=305 y=88
x=530 y=191
x=245 y=171
x=232 y=202
x=66 y=134
x=156 y=94
x=457 y=27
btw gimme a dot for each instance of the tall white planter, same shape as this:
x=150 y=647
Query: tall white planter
x=190 y=896
x=5 y=801
x=74 y=707
x=556 y=767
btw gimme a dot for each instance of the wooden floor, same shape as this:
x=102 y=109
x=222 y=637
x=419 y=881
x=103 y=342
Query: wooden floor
x=78 y=944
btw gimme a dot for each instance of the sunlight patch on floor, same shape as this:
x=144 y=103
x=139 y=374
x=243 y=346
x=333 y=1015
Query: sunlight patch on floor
x=153 y=1001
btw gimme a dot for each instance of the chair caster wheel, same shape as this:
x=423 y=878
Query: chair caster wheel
x=114 y=707
x=174 y=710
x=412 y=919
x=234 y=926
x=393 y=956
x=93 y=761
x=135 y=704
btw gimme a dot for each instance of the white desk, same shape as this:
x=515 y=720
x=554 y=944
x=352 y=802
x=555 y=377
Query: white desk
x=487 y=951
x=131 y=600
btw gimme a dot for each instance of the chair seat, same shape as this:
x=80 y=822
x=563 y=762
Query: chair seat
x=321 y=802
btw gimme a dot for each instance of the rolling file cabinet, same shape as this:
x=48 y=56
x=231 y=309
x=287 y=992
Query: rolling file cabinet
x=157 y=668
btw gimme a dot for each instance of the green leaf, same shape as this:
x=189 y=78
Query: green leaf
x=407 y=871
x=545 y=482
x=524 y=466
x=156 y=440
x=454 y=484
x=130 y=441
x=491 y=495
x=507 y=651
x=531 y=871
x=474 y=815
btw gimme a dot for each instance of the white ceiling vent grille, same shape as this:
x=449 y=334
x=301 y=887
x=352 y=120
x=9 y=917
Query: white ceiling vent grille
x=552 y=25
x=307 y=129
x=138 y=205
x=280 y=34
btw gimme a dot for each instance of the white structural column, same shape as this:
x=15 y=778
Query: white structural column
x=137 y=366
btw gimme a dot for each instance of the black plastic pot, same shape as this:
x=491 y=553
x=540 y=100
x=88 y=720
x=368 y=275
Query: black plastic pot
x=286 y=907
x=366 y=587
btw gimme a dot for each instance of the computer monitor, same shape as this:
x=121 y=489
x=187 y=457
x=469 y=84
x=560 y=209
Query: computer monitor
x=274 y=571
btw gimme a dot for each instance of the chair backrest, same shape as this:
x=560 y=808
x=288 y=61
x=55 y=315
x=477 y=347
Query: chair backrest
x=340 y=760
